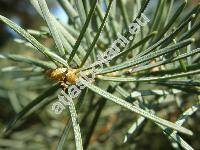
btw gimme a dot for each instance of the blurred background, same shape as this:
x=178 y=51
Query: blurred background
x=36 y=133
